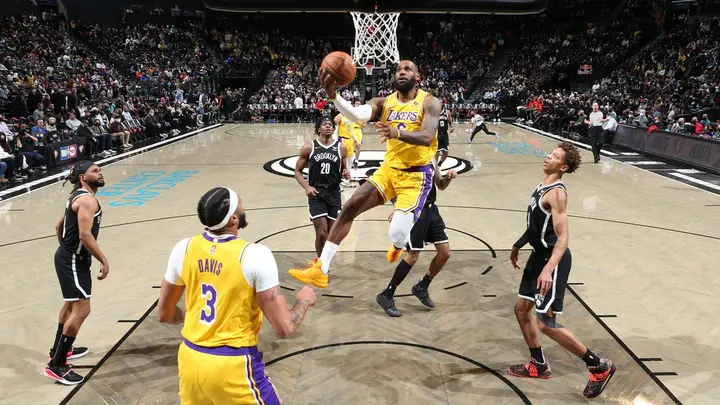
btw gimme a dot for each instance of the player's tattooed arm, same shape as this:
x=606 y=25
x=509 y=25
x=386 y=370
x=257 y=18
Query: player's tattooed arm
x=298 y=312
x=428 y=131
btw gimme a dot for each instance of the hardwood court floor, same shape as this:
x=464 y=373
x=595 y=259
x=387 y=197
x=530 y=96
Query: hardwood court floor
x=644 y=275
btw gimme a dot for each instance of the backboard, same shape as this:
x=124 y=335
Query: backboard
x=405 y=6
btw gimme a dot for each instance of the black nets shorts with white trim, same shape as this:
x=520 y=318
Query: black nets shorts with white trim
x=443 y=141
x=429 y=228
x=554 y=298
x=327 y=203
x=74 y=275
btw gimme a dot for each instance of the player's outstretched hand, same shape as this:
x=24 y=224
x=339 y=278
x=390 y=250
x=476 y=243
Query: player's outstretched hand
x=451 y=174
x=307 y=295
x=386 y=132
x=346 y=174
x=104 y=270
x=514 y=257
x=311 y=192
x=328 y=83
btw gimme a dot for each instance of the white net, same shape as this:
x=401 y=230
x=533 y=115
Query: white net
x=375 y=38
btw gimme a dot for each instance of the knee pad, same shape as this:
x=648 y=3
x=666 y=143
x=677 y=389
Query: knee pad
x=549 y=321
x=400 y=227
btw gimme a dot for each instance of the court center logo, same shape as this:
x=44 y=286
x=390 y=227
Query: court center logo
x=368 y=163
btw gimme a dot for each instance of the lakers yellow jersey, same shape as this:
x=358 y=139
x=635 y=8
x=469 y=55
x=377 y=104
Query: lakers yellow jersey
x=347 y=128
x=406 y=117
x=221 y=309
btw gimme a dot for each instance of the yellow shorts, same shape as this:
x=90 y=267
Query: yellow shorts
x=223 y=376
x=358 y=135
x=349 y=144
x=410 y=186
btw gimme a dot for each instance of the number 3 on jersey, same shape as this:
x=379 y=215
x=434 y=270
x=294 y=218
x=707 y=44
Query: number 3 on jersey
x=207 y=315
x=324 y=168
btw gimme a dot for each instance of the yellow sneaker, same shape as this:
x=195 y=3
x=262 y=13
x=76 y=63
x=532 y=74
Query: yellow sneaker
x=393 y=254
x=311 y=275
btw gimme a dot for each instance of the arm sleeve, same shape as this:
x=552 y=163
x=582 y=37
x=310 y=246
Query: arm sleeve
x=361 y=113
x=173 y=273
x=259 y=268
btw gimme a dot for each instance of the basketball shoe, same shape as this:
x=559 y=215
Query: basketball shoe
x=423 y=295
x=75 y=353
x=393 y=254
x=599 y=377
x=63 y=374
x=312 y=274
x=531 y=369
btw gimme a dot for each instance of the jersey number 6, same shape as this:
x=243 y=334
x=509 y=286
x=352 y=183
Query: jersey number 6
x=207 y=315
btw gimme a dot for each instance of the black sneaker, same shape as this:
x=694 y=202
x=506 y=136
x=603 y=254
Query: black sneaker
x=599 y=377
x=64 y=374
x=388 y=304
x=75 y=353
x=423 y=295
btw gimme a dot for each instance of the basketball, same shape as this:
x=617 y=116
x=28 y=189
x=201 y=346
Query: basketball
x=340 y=66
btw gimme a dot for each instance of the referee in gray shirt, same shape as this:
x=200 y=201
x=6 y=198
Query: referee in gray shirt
x=595 y=121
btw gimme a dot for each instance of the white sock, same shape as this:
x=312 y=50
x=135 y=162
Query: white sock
x=351 y=160
x=327 y=255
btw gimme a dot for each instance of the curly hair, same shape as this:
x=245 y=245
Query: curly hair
x=572 y=156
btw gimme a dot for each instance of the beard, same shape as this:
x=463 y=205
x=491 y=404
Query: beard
x=242 y=221
x=405 y=87
x=96 y=183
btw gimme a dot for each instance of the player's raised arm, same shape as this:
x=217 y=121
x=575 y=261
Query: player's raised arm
x=259 y=264
x=365 y=112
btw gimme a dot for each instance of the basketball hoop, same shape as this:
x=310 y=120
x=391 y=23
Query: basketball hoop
x=375 y=38
x=369 y=67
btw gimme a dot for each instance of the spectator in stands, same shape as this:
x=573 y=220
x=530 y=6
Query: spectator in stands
x=72 y=123
x=117 y=131
x=25 y=145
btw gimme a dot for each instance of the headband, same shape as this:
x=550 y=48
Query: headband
x=231 y=211
x=83 y=166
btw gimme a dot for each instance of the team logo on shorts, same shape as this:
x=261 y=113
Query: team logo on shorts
x=368 y=163
x=539 y=300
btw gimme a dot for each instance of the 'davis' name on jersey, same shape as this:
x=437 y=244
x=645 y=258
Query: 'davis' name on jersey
x=211 y=266
x=326 y=155
x=402 y=116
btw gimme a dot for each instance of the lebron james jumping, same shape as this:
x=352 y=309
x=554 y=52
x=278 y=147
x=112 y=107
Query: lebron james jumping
x=407 y=122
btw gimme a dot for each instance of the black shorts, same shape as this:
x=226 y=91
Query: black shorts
x=528 y=286
x=326 y=204
x=443 y=141
x=73 y=272
x=429 y=228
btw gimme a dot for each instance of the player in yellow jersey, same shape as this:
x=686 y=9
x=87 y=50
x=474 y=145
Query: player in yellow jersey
x=350 y=133
x=407 y=121
x=229 y=284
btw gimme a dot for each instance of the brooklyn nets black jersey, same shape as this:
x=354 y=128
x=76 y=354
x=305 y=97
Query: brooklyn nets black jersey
x=541 y=234
x=443 y=123
x=71 y=230
x=325 y=165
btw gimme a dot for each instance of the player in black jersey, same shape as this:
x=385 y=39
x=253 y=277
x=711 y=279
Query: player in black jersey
x=77 y=232
x=326 y=161
x=445 y=124
x=544 y=279
x=430 y=228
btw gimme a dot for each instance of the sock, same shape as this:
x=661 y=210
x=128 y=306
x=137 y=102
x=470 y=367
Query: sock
x=537 y=354
x=425 y=282
x=57 y=339
x=401 y=271
x=60 y=357
x=590 y=359
x=327 y=255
